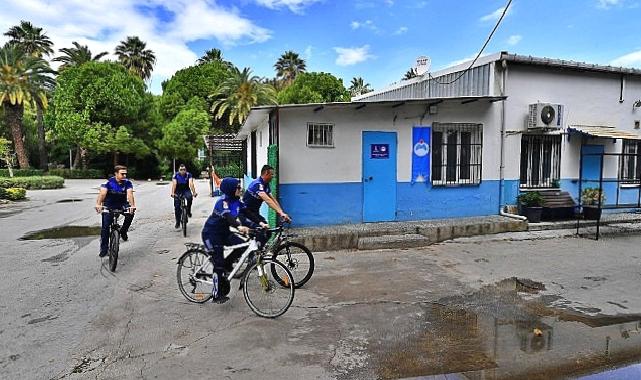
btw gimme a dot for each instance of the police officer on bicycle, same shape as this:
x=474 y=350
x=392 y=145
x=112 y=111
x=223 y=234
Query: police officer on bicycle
x=115 y=194
x=182 y=184
x=259 y=191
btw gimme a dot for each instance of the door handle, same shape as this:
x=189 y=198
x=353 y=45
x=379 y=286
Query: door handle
x=367 y=179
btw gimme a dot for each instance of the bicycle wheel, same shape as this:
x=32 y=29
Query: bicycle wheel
x=191 y=277
x=298 y=259
x=183 y=220
x=263 y=293
x=114 y=246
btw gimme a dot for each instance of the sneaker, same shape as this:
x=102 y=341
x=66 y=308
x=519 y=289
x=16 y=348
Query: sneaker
x=220 y=300
x=124 y=236
x=102 y=254
x=177 y=225
x=189 y=214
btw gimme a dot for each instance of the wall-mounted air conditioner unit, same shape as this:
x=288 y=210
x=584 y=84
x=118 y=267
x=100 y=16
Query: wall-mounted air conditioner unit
x=545 y=115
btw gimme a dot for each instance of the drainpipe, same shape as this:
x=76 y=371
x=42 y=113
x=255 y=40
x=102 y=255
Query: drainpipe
x=502 y=164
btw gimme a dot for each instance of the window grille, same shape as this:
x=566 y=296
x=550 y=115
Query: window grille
x=456 y=153
x=320 y=135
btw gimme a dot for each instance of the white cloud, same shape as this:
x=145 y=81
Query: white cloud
x=494 y=16
x=605 y=4
x=367 y=24
x=352 y=56
x=102 y=24
x=307 y=54
x=401 y=30
x=514 y=39
x=296 y=6
x=629 y=60
x=389 y=3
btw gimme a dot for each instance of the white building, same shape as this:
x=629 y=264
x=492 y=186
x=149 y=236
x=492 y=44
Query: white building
x=491 y=136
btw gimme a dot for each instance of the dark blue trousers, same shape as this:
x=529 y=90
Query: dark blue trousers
x=104 y=232
x=188 y=197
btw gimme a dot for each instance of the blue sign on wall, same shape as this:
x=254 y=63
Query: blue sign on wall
x=421 y=154
x=379 y=151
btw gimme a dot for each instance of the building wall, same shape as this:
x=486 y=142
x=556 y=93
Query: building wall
x=324 y=185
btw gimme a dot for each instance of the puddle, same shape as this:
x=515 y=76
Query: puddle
x=69 y=200
x=500 y=333
x=65 y=232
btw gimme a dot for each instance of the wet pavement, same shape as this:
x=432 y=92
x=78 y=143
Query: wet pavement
x=466 y=309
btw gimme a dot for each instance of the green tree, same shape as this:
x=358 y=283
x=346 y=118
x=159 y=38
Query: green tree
x=5 y=154
x=314 y=88
x=238 y=94
x=196 y=81
x=289 y=65
x=182 y=137
x=23 y=79
x=133 y=54
x=34 y=42
x=30 y=39
x=359 y=87
x=213 y=55
x=77 y=55
x=96 y=106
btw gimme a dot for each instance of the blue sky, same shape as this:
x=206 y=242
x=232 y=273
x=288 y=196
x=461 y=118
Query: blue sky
x=376 y=39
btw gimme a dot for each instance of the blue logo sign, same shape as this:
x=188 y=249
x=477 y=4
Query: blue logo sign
x=379 y=151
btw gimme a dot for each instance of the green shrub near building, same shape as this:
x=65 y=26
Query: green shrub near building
x=22 y=172
x=13 y=194
x=77 y=173
x=33 y=183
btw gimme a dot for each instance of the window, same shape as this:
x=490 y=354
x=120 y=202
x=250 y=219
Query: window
x=320 y=135
x=540 y=160
x=630 y=164
x=456 y=153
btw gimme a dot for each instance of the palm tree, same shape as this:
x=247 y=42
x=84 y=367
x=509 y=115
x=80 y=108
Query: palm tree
x=213 y=55
x=77 y=55
x=359 y=87
x=239 y=93
x=23 y=79
x=30 y=39
x=411 y=73
x=133 y=55
x=289 y=65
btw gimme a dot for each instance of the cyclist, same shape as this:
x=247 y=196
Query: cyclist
x=115 y=194
x=259 y=191
x=229 y=211
x=182 y=184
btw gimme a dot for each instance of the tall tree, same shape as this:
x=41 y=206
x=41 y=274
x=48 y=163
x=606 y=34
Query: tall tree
x=289 y=65
x=213 y=55
x=23 y=79
x=239 y=93
x=133 y=54
x=411 y=73
x=77 y=55
x=30 y=39
x=359 y=87
x=33 y=41
x=314 y=88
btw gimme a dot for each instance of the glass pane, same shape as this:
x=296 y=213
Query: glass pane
x=437 y=155
x=452 y=145
x=466 y=149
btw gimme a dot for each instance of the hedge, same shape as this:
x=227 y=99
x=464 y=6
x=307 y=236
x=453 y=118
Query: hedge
x=13 y=194
x=77 y=173
x=33 y=183
x=22 y=172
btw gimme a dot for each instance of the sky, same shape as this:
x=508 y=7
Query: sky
x=378 y=40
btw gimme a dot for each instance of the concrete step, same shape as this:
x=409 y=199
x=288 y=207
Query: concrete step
x=393 y=241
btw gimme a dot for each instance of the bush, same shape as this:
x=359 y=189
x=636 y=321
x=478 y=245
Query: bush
x=13 y=194
x=77 y=173
x=590 y=196
x=22 y=172
x=531 y=199
x=33 y=183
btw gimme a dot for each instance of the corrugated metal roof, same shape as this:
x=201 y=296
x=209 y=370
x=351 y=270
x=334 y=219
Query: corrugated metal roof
x=603 y=131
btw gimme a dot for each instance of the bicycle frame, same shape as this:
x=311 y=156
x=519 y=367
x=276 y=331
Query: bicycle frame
x=252 y=246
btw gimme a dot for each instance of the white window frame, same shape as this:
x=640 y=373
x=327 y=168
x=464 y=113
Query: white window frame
x=476 y=150
x=327 y=139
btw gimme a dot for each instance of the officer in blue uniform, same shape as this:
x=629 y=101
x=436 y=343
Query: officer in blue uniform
x=182 y=184
x=229 y=211
x=259 y=191
x=115 y=194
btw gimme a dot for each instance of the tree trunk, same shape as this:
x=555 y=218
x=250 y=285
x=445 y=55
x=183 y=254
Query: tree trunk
x=42 y=148
x=13 y=114
x=83 y=158
x=76 y=159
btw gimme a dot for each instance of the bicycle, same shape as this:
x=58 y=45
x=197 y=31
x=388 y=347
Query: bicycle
x=184 y=217
x=297 y=257
x=114 y=235
x=261 y=291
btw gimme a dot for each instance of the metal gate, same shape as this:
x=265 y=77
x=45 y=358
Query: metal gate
x=227 y=157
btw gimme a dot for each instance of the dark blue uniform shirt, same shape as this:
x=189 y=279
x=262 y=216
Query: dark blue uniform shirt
x=251 y=198
x=217 y=222
x=116 y=193
x=182 y=183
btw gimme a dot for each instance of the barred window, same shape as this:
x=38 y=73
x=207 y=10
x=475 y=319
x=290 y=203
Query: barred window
x=540 y=160
x=630 y=164
x=320 y=135
x=456 y=153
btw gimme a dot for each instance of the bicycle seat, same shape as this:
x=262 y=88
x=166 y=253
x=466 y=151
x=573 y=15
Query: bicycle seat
x=197 y=246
